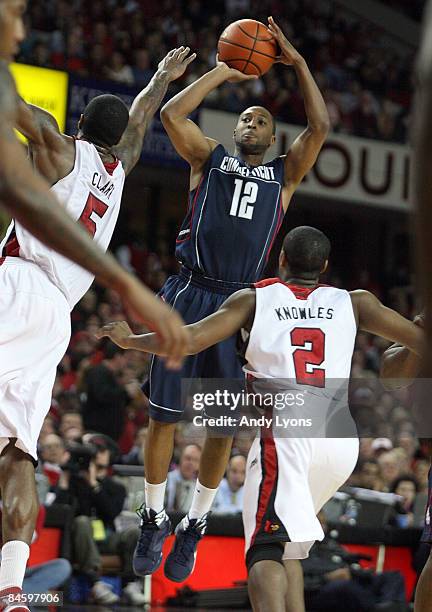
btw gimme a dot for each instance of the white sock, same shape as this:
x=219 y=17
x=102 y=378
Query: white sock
x=202 y=501
x=14 y=556
x=154 y=495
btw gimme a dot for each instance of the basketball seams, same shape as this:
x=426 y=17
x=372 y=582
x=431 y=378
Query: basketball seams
x=252 y=49
x=261 y=39
x=236 y=44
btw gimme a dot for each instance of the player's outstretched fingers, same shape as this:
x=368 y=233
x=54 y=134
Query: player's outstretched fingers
x=104 y=331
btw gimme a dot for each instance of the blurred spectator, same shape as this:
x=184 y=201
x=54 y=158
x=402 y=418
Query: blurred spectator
x=97 y=500
x=370 y=475
x=106 y=394
x=71 y=426
x=390 y=469
x=119 y=71
x=136 y=456
x=181 y=481
x=421 y=473
x=142 y=71
x=407 y=487
x=229 y=498
x=380 y=446
x=53 y=455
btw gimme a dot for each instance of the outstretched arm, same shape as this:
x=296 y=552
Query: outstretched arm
x=187 y=138
x=26 y=196
x=146 y=104
x=236 y=312
x=377 y=319
x=304 y=150
x=399 y=365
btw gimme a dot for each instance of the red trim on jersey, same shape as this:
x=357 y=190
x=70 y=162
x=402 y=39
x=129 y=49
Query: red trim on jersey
x=270 y=469
x=111 y=166
x=266 y=282
x=12 y=248
x=301 y=293
x=192 y=213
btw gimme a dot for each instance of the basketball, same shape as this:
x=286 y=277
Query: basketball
x=248 y=46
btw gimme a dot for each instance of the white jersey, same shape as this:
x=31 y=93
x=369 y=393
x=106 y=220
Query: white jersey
x=301 y=339
x=301 y=334
x=91 y=193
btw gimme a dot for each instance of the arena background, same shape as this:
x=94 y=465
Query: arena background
x=362 y=56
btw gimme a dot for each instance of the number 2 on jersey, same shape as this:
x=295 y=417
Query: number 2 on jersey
x=313 y=356
x=245 y=194
x=93 y=205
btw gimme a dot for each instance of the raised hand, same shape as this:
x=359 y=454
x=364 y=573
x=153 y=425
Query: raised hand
x=233 y=75
x=118 y=332
x=176 y=62
x=289 y=55
x=160 y=318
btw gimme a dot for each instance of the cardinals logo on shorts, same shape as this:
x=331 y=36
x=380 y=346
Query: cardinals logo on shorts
x=271 y=527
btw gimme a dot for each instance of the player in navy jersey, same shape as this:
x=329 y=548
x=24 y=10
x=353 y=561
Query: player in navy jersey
x=236 y=206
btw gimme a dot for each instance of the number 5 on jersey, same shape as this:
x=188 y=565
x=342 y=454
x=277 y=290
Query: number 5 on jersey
x=93 y=205
x=245 y=194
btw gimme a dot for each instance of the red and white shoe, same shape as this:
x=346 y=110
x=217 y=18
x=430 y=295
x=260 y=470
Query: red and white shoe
x=12 y=599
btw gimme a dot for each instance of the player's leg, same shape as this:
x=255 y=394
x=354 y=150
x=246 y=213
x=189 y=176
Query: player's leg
x=155 y=525
x=164 y=390
x=158 y=451
x=19 y=513
x=268 y=587
x=294 y=599
x=423 y=594
x=35 y=334
x=218 y=362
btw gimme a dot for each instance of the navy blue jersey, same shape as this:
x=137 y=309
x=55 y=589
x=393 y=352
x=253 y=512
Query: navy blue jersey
x=233 y=217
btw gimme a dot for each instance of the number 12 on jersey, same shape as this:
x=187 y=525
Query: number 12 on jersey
x=311 y=353
x=245 y=194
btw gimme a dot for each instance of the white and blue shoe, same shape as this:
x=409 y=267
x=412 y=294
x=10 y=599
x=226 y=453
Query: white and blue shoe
x=155 y=528
x=180 y=562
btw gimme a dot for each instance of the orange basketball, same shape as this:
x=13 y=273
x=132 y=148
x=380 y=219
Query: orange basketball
x=248 y=46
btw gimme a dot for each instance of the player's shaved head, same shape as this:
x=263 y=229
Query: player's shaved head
x=104 y=120
x=306 y=250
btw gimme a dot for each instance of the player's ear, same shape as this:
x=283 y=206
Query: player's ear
x=80 y=122
x=273 y=140
x=325 y=266
x=282 y=260
x=234 y=134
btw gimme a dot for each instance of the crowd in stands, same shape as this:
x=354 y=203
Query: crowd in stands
x=367 y=84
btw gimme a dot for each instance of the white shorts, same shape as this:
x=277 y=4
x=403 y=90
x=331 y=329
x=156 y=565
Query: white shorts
x=34 y=336
x=288 y=480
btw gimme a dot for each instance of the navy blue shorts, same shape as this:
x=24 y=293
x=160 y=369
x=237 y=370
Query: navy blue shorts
x=427 y=531
x=194 y=297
